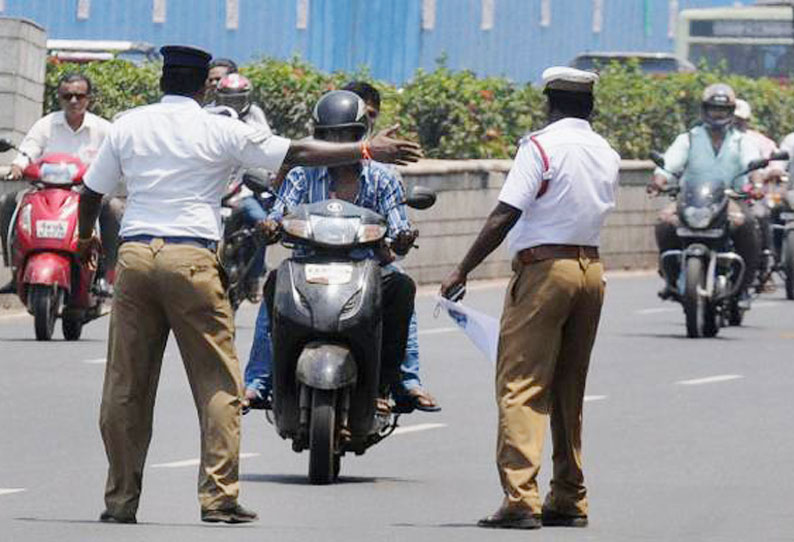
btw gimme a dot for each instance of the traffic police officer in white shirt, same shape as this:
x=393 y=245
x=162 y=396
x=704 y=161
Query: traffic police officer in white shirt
x=174 y=158
x=553 y=204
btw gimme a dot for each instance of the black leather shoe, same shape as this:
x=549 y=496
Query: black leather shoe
x=107 y=517
x=509 y=519
x=550 y=518
x=9 y=288
x=234 y=514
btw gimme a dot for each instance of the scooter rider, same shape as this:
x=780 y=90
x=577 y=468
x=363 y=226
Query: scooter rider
x=234 y=91
x=340 y=116
x=713 y=149
x=772 y=173
x=73 y=130
x=409 y=390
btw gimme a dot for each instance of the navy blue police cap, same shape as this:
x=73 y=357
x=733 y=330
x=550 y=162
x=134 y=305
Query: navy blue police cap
x=183 y=55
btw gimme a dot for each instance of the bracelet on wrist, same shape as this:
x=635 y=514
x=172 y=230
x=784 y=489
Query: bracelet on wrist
x=366 y=151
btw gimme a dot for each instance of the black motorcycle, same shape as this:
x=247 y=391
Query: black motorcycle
x=240 y=243
x=779 y=258
x=710 y=272
x=326 y=332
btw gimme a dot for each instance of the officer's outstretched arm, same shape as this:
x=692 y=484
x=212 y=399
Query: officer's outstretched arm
x=382 y=147
x=499 y=222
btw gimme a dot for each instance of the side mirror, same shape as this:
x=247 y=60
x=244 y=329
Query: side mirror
x=5 y=145
x=257 y=181
x=757 y=164
x=779 y=155
x=657 y=158
x=421 y=198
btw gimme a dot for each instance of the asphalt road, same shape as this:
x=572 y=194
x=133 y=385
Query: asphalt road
x=684 y=440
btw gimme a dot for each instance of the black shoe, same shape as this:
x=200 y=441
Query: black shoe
x=107 y=517
x=234 y=514
x=550 y=518
x=506 y=519
x=9 y=288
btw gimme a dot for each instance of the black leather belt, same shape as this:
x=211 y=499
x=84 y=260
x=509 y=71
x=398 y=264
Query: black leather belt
x=199 y=242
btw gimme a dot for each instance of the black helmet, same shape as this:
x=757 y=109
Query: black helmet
x=340 y=109
x=717 y=105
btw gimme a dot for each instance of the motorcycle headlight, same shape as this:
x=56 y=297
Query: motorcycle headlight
x=297 y=228
x=368 y=233
x=24 y=219
x=336 y=231
x=698 y=217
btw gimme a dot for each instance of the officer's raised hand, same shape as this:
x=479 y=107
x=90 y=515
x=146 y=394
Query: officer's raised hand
x=383 y=147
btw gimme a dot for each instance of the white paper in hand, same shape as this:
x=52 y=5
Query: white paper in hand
x=481 y=329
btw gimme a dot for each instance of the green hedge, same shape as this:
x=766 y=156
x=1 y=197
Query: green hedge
x=457 y=115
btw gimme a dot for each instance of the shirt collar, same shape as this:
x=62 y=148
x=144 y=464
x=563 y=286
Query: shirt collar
x=60 y=118
x=571 y=123
x=179 y=100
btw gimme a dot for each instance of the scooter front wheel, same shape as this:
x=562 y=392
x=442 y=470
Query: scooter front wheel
x=45 y=303
x=694 y=304
x=788 y=263
x=323 y=460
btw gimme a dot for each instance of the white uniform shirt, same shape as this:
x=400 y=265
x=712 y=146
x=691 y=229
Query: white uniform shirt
x=176 y=159
x=52 y=133
x=580 y=194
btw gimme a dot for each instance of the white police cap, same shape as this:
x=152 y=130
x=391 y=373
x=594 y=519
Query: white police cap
x=565 y=78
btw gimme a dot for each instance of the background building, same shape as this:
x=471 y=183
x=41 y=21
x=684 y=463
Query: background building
x=516 y=38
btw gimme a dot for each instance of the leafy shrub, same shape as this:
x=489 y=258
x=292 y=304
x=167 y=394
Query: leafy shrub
x=458 y=115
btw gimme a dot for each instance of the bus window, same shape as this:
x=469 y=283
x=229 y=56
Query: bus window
x=746 y=59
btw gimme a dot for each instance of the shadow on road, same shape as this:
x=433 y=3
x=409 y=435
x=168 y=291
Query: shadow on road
x=52 y=341
x=303 y=480
x=672 y=336
x=438 y=525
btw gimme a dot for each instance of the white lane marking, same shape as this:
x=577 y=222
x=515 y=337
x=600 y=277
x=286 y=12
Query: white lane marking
x=437 y=330
x=588 y=398
x=708 y=380
x=656 y=310
x=97 y=361
x=9 y=491
x=765 y=304
x=418 y=427
x=191 y=462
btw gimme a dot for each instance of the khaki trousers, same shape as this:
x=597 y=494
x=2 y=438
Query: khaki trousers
x=548 y=327
x=161 y=288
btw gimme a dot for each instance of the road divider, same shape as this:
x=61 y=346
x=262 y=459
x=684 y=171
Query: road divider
x=709 y=380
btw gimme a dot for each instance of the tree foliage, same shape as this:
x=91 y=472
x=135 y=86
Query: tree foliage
x=455 y=114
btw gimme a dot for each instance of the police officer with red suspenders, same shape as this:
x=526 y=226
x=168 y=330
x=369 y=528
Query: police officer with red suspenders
x=553 y=204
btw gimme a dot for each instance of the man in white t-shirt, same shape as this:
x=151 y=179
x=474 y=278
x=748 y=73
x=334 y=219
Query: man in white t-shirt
x=175 y=159
x=71 y=130
x=553 y=204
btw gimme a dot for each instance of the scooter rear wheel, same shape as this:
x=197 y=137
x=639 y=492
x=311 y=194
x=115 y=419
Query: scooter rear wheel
x=45 y=303
x=323 y=460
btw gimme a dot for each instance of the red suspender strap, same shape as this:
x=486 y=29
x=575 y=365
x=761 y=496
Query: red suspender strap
x=546 y=175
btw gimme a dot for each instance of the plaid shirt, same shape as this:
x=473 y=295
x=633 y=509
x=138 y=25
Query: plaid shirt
x=379 y=189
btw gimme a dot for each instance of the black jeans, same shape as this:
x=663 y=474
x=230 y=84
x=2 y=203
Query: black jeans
x=397 y=306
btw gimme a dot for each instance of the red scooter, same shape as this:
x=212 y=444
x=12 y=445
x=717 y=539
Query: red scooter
x=51 y=280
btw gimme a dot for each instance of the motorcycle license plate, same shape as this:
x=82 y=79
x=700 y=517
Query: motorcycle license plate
x=329 y=273
x=51 y=229
x=787 y=216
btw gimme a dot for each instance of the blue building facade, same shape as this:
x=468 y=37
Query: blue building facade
x=515 y=38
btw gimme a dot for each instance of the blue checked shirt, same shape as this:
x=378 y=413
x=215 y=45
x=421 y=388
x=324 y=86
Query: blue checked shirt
x=379 y=189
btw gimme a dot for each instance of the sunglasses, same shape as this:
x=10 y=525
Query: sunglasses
x=69 y=95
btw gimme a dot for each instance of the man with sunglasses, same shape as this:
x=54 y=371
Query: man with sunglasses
x=71 y=130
